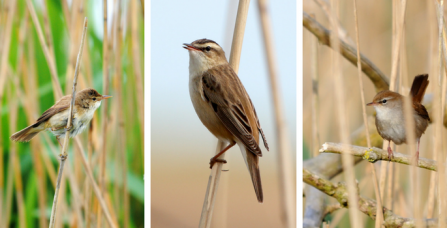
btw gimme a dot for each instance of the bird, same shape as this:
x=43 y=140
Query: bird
x=56 y=117
x=390 y=117
x=224 y=106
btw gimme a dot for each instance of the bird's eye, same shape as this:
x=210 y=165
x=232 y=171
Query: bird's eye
x=208 y=48
x=384 y=101
x=94 y=98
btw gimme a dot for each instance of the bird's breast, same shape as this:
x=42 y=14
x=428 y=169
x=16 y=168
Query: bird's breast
x=205 y=112
x=390 y=124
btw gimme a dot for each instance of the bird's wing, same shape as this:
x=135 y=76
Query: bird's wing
x=61 y=105
x=258 y=124
x=230 y=110
x=421 y=111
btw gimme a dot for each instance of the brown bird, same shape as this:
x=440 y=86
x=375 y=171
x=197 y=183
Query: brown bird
x=390 y=118
x=223 y=105
x=55 y=118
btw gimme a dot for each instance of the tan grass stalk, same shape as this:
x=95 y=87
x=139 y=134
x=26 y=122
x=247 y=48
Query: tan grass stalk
x=286 y=178
x=30 y=109
x=3 y=70
x=96 y=190
x=5 y=47
x=315 y=103
x=35 y=154
x=104 y=116
x=15 y=161
x=114 y=112
x=438 y=122
x=137 y=62
x=121 y=122
x=49 y=57
x=343 y=124
x=75 y=29
x=88 y=190
x=47 y=27
x=8 y=202
x=379 y=213
x=66 y=14
x=213 y=182
x=64 y=154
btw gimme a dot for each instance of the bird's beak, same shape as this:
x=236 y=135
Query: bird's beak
x=106 y=97
x=189 y=47
x=371 y=104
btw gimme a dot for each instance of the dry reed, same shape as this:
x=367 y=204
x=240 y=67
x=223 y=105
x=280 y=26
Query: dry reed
x=284 y=153
x=214 y=178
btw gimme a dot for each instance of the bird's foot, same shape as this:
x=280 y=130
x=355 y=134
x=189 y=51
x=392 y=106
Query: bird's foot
x=213 y=160
x=390 y=154
x=415 y=159
x=69 y=127
x=63 y=157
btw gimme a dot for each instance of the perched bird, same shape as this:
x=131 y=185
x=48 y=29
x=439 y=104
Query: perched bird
x=390 y=117
x=223 y=105
x=55 y=118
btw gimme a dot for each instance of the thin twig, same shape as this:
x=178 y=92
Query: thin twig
x=376 y=154
x=64 y=155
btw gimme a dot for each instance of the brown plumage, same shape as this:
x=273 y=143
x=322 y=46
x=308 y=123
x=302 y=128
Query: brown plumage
x=224 y=106
x=56 y=117
x=390 y=118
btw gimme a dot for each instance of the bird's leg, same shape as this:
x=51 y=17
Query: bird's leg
x=417 y=152
x=57 y=128
x=71 y=124
x=63 y=157
x=58 y=140
x=390 y=152
x=217 y=159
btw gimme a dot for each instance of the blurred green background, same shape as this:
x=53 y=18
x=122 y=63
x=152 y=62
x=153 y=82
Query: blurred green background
x=27 y=170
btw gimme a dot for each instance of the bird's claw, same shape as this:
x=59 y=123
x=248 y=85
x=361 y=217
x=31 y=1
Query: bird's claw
x=214 y=160
x=390 y=154
x=63 y=157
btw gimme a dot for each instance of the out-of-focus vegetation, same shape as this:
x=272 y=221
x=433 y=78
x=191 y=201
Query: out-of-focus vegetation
x=28 y=170
x=378 y=23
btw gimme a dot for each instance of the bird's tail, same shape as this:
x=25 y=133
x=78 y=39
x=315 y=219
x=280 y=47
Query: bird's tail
x=252 y=162
x=26 y=134
x=418 y=87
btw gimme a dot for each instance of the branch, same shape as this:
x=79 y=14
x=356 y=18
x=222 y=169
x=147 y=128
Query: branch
x=380 y=80
x=367 y=206
x=375 y=154
x=327 y=166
